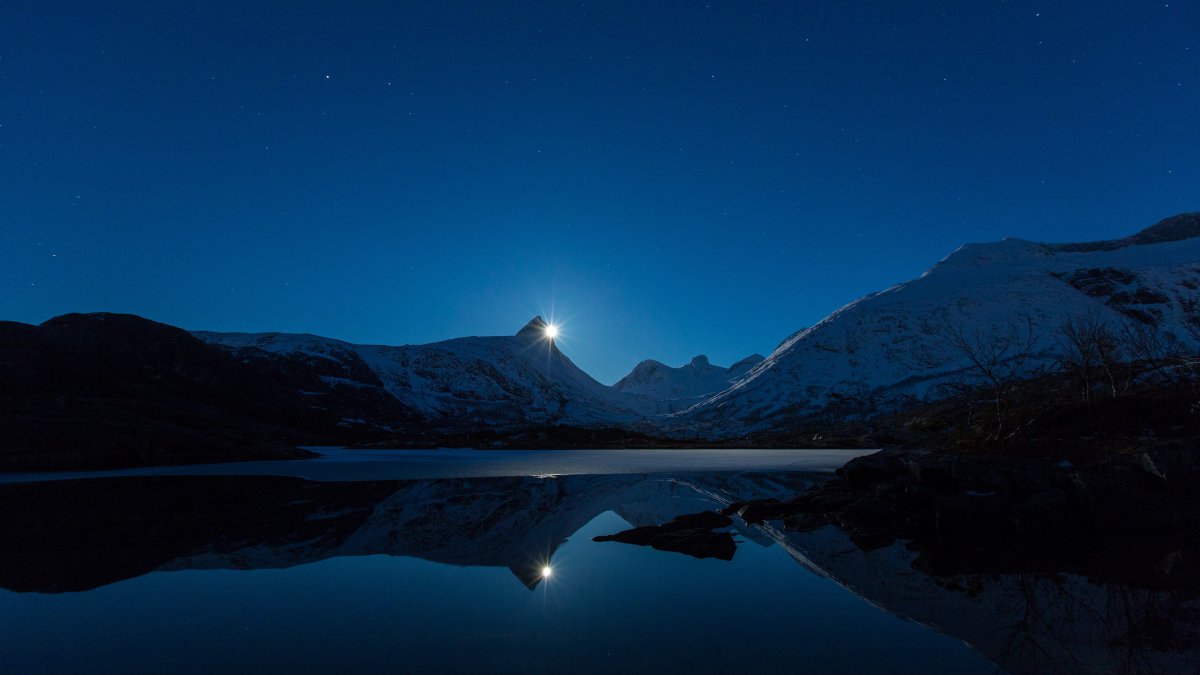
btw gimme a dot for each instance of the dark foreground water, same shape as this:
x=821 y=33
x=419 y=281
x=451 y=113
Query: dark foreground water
x=494 y=573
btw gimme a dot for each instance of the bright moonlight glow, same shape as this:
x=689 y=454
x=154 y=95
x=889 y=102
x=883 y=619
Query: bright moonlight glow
x=546 y=572
x=551 y=332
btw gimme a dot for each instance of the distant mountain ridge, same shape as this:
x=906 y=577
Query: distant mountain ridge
x=676 y=389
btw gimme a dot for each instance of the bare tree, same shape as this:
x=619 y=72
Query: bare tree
x=1092 y=353
x=1189 y=361
x=1077 y=355
x=997 y=361
x=1114 y=363
x=1150 y=353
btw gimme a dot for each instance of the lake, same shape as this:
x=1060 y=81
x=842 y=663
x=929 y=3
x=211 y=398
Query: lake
x=456 y=561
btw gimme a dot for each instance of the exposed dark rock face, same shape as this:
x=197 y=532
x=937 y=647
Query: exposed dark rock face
x=110 y=390
x=689 y=534
x=1122 y=290
x=1101 y=281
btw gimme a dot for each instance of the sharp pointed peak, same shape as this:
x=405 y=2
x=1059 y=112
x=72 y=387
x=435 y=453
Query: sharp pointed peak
x=535 y=328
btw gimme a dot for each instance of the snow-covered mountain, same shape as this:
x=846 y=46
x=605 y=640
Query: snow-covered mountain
x=464 y=383
x=890 y=348
x=676 y=389
x=897 y=345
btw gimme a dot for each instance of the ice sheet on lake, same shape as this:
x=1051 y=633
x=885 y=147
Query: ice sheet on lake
x=345 y=465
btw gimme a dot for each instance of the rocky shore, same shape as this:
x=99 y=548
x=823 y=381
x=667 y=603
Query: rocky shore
x=1132 y=516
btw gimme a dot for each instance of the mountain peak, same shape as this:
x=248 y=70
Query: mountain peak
x=884 y=350
x=535 y=328
x=748 y=362
x=1175 y=228
x=699 y=361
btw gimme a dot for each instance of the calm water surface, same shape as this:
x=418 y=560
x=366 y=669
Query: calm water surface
x=447 y=573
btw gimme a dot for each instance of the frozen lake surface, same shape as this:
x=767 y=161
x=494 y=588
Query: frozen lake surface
x=340 y=464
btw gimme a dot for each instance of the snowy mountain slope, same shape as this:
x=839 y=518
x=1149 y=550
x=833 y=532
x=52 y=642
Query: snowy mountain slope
x=472 y=382
x=675 y=389
x=894 y=346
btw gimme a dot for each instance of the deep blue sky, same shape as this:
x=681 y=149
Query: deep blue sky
x=669 y=179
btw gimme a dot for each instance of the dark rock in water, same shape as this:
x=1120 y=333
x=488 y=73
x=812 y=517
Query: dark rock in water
x=697 y=543
x=690 y=534
x=871 y=542
x=805 y=522
x=759 y=510
x=736 y=507
x=831 y=497
x=757 y=513
x=871 y=515
x=966 y=516
x=707 y=520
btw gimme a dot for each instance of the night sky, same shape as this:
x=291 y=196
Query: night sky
x=664 y=179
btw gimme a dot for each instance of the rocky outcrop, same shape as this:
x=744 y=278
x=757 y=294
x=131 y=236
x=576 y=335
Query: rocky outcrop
x=691 y=534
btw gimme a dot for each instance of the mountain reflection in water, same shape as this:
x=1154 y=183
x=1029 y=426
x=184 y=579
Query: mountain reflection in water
x=77 y=535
